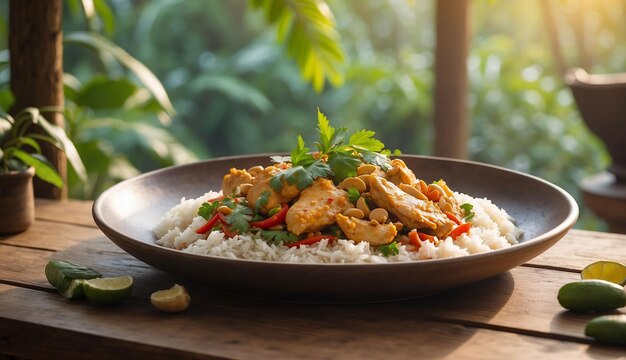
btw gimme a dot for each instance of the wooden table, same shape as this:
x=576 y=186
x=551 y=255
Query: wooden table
x=513 y=315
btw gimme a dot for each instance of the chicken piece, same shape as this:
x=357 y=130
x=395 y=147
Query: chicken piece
x=400 y=173
x=317 y=206
x=412 y=212
x=261 y=184
x=233 y=179
x=361 y=230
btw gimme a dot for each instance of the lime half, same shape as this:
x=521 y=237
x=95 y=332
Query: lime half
x=108 y=291
x=612 y=271
x=74 y=290
x=174 y=299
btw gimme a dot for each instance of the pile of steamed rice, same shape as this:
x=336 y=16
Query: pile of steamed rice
x=492 y=228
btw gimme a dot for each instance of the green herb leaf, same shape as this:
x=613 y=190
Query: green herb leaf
x=301 y=176
x=207 y=209
x=239 y=219
x=276 y=237
x=389 y=249
x=343 y=164
x=300 y=155
x=263 y=199
x=374 y=158
x=329 y=137
x=353 y=195
x=364 y=139
x=467 y=210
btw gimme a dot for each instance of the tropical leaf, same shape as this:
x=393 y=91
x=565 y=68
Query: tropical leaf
x=308 y=28
x=147 y=78
x=43 y=169
x=65 y=144
x=234 y=88
x=105 y=93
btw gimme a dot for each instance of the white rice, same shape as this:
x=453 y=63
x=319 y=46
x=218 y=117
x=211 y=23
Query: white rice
x=492 y=228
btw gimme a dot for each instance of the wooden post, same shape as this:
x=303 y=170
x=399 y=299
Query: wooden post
x=451 y=84
x=36 y=50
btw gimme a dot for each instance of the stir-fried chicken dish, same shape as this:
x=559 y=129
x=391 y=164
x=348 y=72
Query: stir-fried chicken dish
x=351 y=200
x=376 y=205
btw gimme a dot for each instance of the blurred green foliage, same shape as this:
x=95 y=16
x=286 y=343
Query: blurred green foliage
x=236 y=90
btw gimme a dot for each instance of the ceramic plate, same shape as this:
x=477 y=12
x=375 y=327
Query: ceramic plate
x=129 y=211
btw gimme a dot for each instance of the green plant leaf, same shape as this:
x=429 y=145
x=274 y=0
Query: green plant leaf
x=147 y=78
x=105 y=93
x=58 y=134
x=43 y=169
x=308 y=28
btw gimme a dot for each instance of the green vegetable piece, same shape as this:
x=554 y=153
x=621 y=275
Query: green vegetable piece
x=61 y=273
x=353 y=195
x=467 y=210
x=277 y=236
x=609 y=329
x=207 y=209
x=591 y=295
x=389 y=249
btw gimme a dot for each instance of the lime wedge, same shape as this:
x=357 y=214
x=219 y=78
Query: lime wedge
x=61 y=273
x=108 y=291
x=174 y=299
x=612 y=271
x=74 y=290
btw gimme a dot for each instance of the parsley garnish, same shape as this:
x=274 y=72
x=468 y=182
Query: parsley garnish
x=263 y=199
x=467 y=210
x=389 y=249
x=239 y=219
x=207 y=209
x=336 y=159
x=276 y=237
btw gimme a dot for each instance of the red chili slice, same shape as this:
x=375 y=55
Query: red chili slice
x=209 y=225
x=312 y=240
x=273 y=220
x=457 y=231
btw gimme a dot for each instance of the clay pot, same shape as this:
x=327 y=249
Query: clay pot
x=601 y=100
x=17 y=201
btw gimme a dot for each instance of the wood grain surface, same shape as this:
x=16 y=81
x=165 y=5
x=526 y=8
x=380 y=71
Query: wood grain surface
x=513 y=315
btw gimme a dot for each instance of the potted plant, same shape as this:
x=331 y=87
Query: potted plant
x=21 y=159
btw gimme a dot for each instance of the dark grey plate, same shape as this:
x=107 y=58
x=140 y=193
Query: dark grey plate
x=129 y=211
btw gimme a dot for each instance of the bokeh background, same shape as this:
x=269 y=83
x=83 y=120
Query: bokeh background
x=235 y=90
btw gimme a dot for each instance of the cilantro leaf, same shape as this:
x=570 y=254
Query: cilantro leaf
x=239 y=219
x=263 y=199
x=364 y=139
x=276 y=237
x=374 y=158
x=207 y=209
x=353 y=195
x=330 y=138
x=343 y=164
x=301 y=176
x=300 y=155
x=389 y=249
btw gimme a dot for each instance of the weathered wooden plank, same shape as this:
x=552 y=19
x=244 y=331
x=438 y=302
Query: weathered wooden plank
x=579 y=248
x=523 y=299
x=65 y=211
x=307 y=332
x=55 y=236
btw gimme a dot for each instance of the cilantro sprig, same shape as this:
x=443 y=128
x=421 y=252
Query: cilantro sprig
x=336 y=159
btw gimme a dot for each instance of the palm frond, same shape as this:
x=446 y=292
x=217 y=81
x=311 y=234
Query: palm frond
x=308 y=29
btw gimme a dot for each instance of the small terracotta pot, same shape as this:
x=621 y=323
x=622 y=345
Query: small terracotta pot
x=17 y=201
